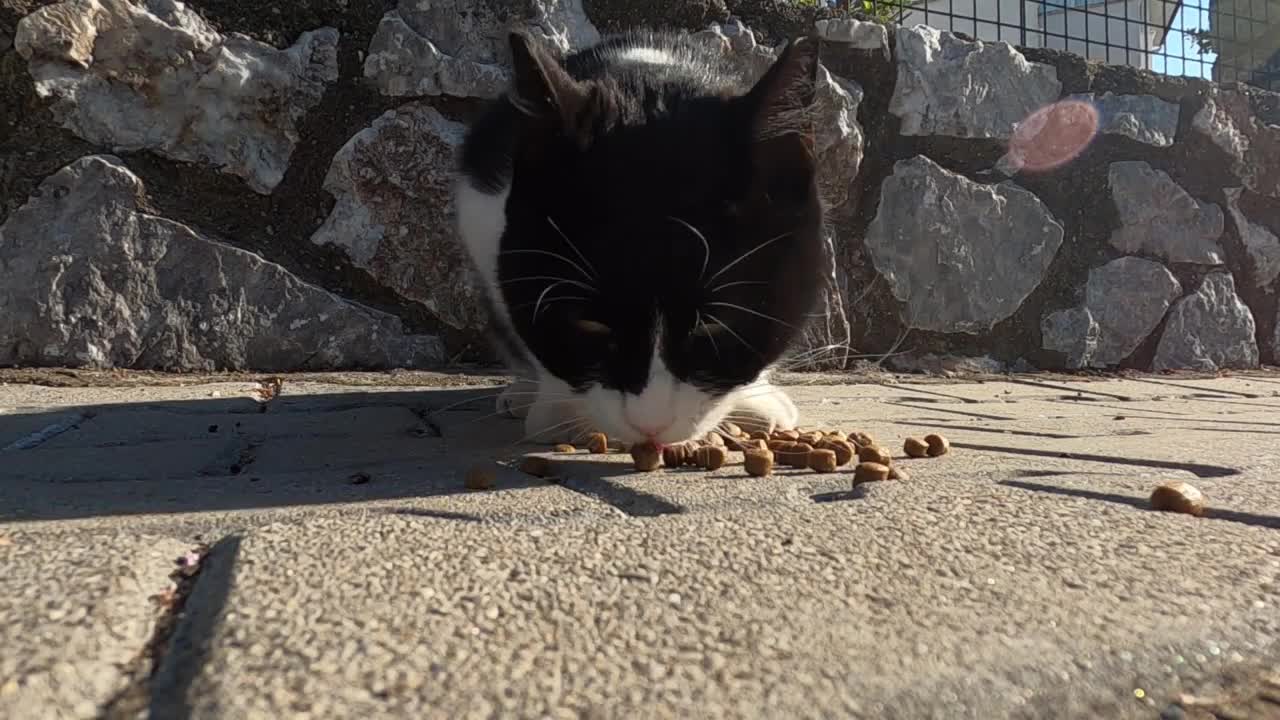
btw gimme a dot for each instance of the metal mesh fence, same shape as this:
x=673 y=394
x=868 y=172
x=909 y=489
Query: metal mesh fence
x=1224 y=40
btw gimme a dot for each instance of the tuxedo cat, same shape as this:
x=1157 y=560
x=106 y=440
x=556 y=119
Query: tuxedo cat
x=646 y=229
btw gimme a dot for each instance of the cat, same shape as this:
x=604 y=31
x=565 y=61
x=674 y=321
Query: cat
x=645 y=226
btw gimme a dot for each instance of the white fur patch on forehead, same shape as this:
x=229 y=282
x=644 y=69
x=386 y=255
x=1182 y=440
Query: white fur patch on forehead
x=648 y=55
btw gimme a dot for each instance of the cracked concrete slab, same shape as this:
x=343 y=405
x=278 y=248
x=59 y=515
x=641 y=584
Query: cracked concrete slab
x=1021 y=576
x=74 y=615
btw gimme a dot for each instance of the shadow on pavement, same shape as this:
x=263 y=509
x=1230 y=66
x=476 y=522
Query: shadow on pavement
x=1266 y=521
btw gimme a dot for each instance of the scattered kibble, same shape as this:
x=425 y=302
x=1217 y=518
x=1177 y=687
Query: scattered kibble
x=733 y=429
x=791 y=435
x=759 y=463
x=713 y=438
x=915 y=448
x=823 y=461
x=760 y=435
x=870 y=472
x=1179 y=497
x=711 y=457
x=837 y=435
x=897 y=473
x=535 y=465
x=874 y=454
x=843 y=450
x=481 y=477
x=938 y=445
x=862 y=439
x=598 y=443
x=646 y=457
x=812 y=437
x=564 y=448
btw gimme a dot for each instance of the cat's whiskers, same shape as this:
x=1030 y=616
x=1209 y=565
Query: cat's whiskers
x=747 y=254
x=722 y=286
x=575 y=249
x=533 y=251
x=706 y=246
x=710 y=335
x=729 y=330
x=568 y=426
x=537 y=308
x=757 y=313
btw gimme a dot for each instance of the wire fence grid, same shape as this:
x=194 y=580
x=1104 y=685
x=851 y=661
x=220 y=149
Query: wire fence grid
x=1223 y=40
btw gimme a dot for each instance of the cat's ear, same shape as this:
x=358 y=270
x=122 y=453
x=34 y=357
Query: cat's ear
x=782 y=101
x=542 y=89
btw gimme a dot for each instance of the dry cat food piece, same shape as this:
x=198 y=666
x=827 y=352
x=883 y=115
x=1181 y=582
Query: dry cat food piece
x=823 y=461
x=915 y=448
x=735 y=444
x=711 y=457
x=862 y=439
x=760 y=435
x=598 y=443
x=759 y=463
x=791 y=435
x=897 y=473
x=646 y=457
x=1178 y=497
x=535 y=465
x=938 y=445
x=843 y=450
x=713 y=438
x=564 y=448
x=481 y=477
x=733 y=429
x=673 y=456
x=874 y=454
x=836 y=435
x=870 y=472
x=812 y=437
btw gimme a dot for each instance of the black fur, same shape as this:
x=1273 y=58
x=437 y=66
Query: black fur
x=611 y=152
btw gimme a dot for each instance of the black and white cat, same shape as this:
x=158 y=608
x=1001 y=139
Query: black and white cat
x=645 y=224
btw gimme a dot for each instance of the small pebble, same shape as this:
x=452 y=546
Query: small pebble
x=915 y=448
x=480 y=477
x=646 y=457
x=759 y=463
x=823 y=461
x=1179 y=497
x=870 y=472
x=938 y=445
x=598 y=443
x=564 y=448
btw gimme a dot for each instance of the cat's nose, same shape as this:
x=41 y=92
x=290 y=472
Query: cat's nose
x=649 y=431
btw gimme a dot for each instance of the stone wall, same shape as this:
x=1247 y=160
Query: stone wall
x=230 y=185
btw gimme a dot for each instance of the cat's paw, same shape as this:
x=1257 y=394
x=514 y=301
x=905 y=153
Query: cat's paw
x=554 y=422
x=765 y=408
x=516 y=399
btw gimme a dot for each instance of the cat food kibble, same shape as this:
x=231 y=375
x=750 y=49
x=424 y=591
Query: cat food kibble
x=796 y=455
x=862 y=439
x=646 y=457
x=823 y=461
x=938 y=445
x=1178 y=497
x=759 y=463
x=897 y=473
x=760 y=435
x=870 y=472
x=915 y=448
x=711 y=457
x=843 y=450
x=874 y=454
x=598 y=443
x=564 y=448
x=837 y=435
x=811 y=438
x=535 y=465
x=480 y=477
x=791 y=435
x=713 y=438
x=732 y=429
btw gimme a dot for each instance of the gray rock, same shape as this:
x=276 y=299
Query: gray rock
x=155 y=76
x=1159 y=218
x=394 y=212
x=1211 y=329
x=1260 y=244
x=859 y=34
x=1145 y=118
x=1253 y=145
x=949 y=86
x=459 y=47
x=1127 y=298
x=961 y=255
x=1072 y=332
x=88 y=279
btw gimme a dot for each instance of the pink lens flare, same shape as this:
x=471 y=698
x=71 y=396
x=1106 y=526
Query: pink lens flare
x=1053 y=136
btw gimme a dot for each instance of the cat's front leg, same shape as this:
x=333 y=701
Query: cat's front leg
x=766 y=407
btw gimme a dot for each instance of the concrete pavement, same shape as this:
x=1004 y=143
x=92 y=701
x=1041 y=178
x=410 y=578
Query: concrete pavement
x=350 y=573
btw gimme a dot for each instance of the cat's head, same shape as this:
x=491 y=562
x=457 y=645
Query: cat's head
x=663 y=248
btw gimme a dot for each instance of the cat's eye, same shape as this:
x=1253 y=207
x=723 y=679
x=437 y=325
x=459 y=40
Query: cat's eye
x=593 y=327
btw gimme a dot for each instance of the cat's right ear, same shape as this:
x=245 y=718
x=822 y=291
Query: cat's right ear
x=542 y=90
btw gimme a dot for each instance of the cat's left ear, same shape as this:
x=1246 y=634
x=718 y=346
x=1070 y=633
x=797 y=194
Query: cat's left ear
x=542 y=89
x=782 y=101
